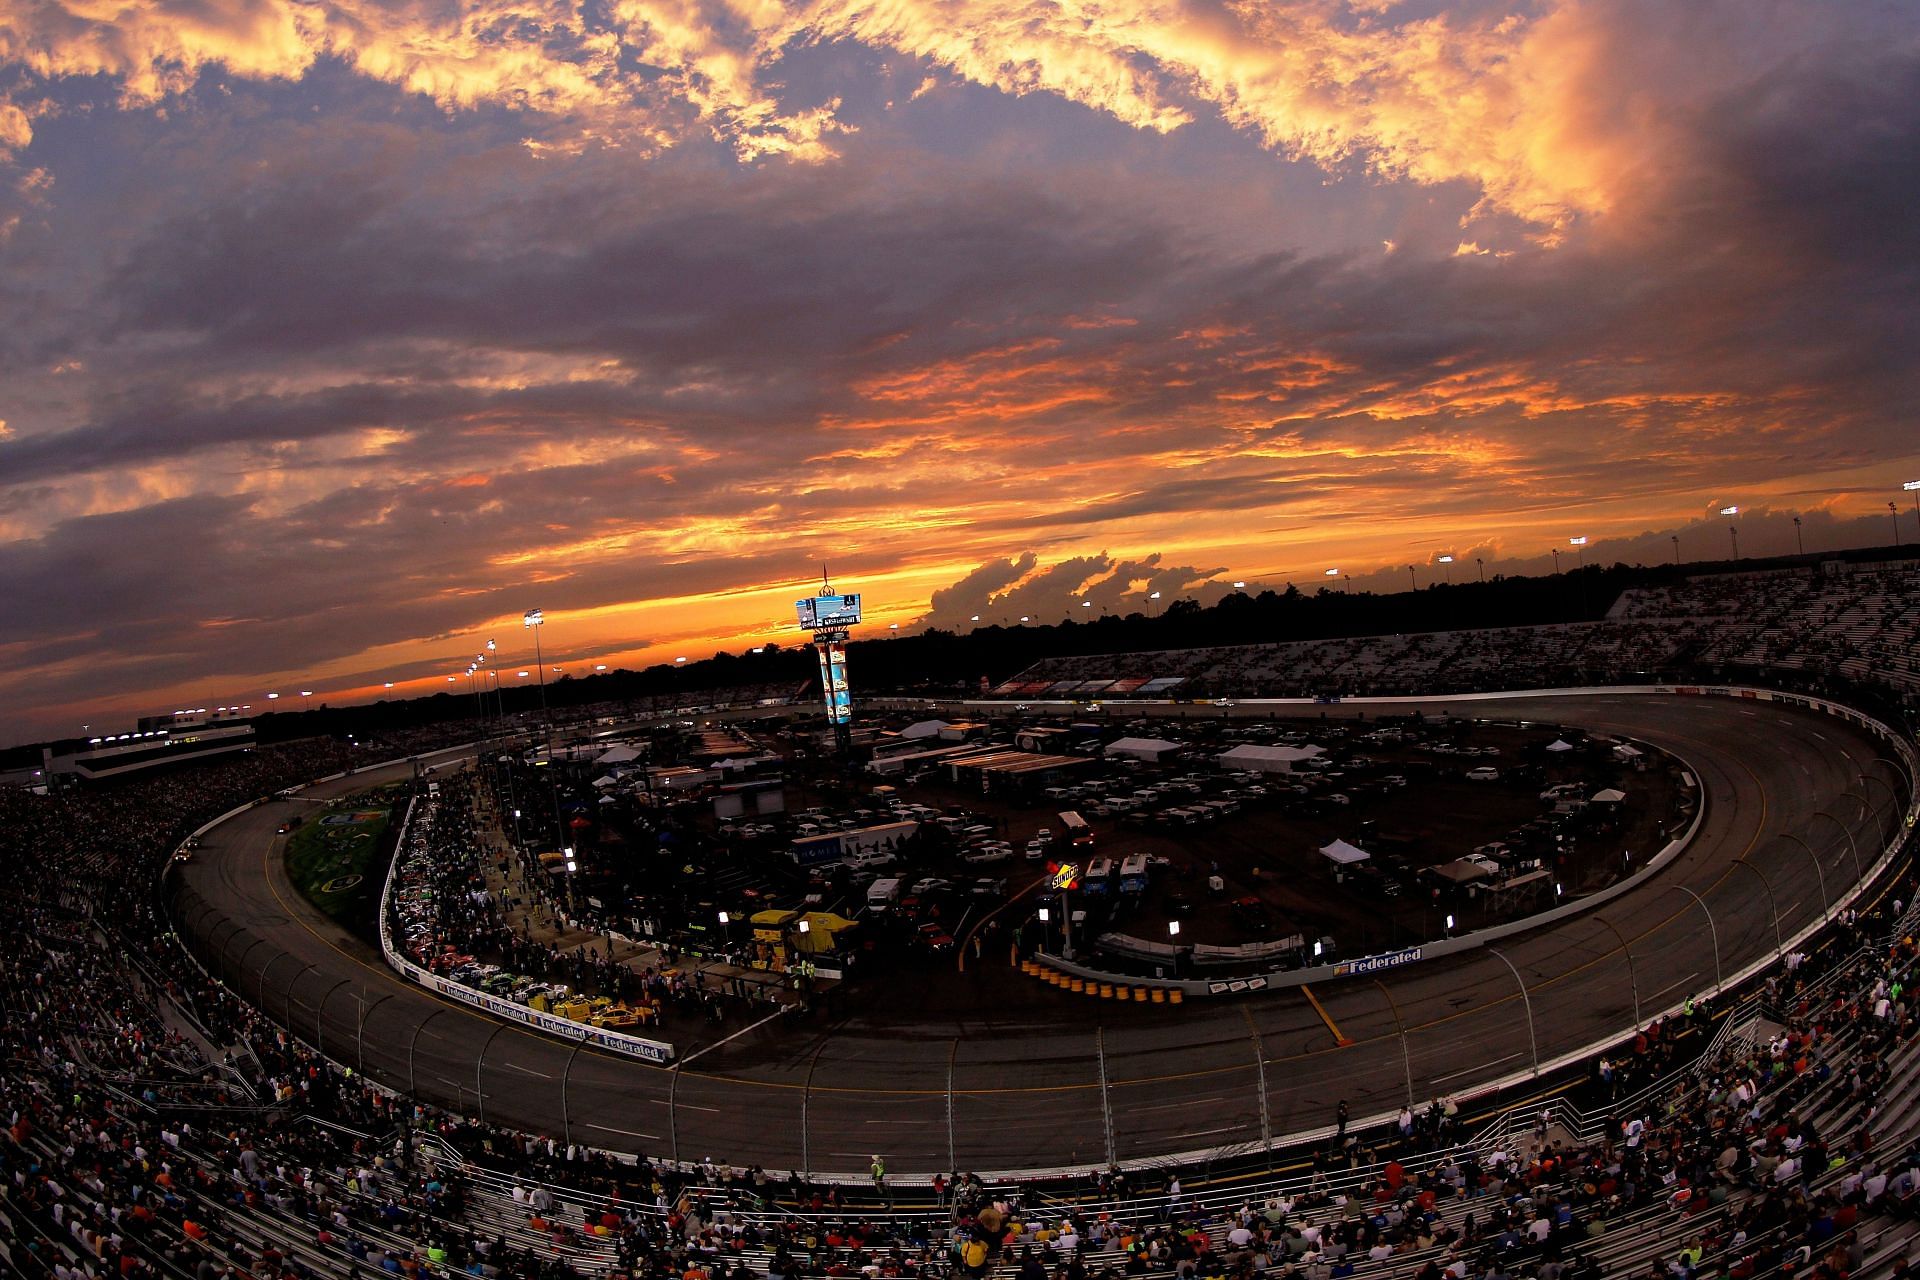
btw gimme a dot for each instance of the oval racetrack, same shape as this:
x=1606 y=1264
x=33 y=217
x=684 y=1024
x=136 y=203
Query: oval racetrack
x=1005 y=1094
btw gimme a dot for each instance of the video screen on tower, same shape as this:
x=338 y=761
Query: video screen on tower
x=820 y=613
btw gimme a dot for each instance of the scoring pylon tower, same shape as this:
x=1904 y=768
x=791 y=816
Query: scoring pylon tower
x=829 y=615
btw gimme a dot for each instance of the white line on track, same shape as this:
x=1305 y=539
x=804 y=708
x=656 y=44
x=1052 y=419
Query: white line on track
x=1201 y=1133
x=1670 y=986
x=1171 y=1106
x=1481 y=1066
x=681 y=1106
x=529 y=1070
x=607 y=1128
x=735 y=1036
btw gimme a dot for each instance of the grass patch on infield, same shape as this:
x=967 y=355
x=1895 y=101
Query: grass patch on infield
x=334 y=856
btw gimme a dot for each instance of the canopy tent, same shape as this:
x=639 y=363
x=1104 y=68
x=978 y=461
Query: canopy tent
x=1558 y=745
x=924 y=729
x=1148 y=749
x=1266 y=759
x=1344 y=854
x=1627 y=751
x=606 y=780
x=617 y=755
x=1611 y=795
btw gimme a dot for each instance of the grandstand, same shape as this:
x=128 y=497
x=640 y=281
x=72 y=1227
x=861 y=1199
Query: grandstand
x=1850 y=622
x=159 y=1125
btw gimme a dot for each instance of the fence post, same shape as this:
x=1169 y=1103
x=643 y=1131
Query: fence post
x=1826 y=903
x=673 y=1112
x=806 y=1103
x=1773 y=904
x=566 y=1116
x=260 y=990
x=953 y=1051
x=1525 y=999
x=360 y=1038
x=320 y=1016
x=1260 y=1076
x=1106 y=1104
x=1846 y=831
x=1406 y=1054
x=480 y=1065
x=1713 y=931
x=1633 y=979
x=286 y=1007
x=413 y=1084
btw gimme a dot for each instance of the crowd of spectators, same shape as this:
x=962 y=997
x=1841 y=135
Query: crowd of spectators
x=158 y=1125
x=1836 y=622
x=465 y=901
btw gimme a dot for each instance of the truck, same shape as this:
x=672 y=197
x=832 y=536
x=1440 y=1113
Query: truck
x=831 y=846
x=883 y=895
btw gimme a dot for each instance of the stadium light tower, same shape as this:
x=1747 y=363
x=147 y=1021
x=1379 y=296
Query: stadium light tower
x=1913 y=487
x=1556 y=559
x=829 y=615
x=1799 y=543
x=1733 y=534
x=1676 y=549
x=1579 y=551
x=1412 y=580
x=1448 y=562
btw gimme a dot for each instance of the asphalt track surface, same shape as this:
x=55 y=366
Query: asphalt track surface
x=994 y=1093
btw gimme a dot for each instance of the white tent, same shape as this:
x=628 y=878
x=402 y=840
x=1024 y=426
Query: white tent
x=606 y=780
x=1558 y=745
x=1265 y=759
x=1343 y=853
x=617 y=755
x=924 y=729
x=1627 y=751
x=1612 y=795
x=1149 y=749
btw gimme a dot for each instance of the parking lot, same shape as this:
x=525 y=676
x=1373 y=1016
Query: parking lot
x=907 y=870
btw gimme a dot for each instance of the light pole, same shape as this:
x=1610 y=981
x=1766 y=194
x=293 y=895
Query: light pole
x=1913 y=487
x=533 y=620
x=1411 y=579
x=1448 y=562
x=1676 y=550
x=1483 y=569
x=1556 y=559
x=1799 y=542
x=1733 y=534
x=1579 y=551
x=305 y=694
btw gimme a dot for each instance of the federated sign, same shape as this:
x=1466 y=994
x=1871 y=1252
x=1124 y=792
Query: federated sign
x=1373 y=964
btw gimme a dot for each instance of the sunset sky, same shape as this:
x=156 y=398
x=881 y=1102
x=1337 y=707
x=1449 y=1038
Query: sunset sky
x=340 y=332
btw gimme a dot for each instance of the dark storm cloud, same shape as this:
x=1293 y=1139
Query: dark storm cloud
x=400 y=368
